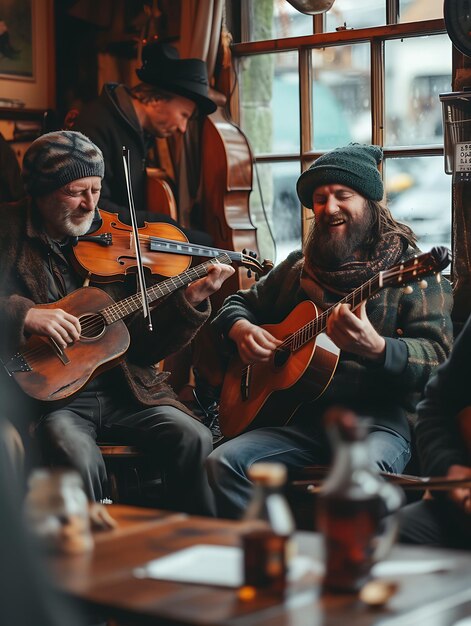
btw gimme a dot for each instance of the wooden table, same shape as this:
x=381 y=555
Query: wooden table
x=104 y=580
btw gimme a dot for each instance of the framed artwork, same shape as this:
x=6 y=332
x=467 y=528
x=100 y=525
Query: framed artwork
x=16 y=39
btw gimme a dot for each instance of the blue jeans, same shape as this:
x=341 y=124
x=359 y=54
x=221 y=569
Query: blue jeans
x=293 y=446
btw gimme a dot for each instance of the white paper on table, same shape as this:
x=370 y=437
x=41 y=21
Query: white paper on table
x=403 y=568
x=213 y=565
x=223 y=566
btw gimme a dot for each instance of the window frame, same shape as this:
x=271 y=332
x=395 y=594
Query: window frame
x=376 y=36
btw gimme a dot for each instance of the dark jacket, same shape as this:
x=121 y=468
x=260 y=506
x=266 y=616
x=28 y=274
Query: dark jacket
x=417 y=328
x=111 y=128
x=11 y=185
x=23 y=283
x=439 y=441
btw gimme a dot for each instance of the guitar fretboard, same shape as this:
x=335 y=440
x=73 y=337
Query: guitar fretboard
x=123 y=308
x=315 y=327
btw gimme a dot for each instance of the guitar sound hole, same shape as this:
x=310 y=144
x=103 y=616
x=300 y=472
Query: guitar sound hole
x=281 y=356
x=93 y=326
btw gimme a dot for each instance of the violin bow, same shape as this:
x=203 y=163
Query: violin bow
x=137 y=247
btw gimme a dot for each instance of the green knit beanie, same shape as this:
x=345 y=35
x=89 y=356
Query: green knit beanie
x=355 y=166
x=58 y=158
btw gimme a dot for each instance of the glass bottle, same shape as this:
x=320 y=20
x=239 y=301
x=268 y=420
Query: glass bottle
x=356 y=507
x=267 y=544
x=56 y=510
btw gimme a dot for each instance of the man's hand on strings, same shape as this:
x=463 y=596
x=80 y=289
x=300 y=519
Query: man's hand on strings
x=353 y=332
x=254 y=343
x=61 y=326
x=205 y=287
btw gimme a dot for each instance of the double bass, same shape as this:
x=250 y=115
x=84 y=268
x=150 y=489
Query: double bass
x=227 y=184
x=227 y=176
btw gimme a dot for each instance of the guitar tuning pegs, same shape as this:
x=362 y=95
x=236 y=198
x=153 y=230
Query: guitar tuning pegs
x=249 y=273
x=257 y=277
x=253 y=254
x=423 y=284
x=407 y=290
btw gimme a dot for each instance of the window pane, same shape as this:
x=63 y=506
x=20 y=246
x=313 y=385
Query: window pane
x=269 y=98
x=417 y=10
x=282 y=209
x=275 y=19
x=417 y=70
x=341 y=95
x=419 y=195
x=356 y=14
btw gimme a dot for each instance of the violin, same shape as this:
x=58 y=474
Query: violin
x=109 y=255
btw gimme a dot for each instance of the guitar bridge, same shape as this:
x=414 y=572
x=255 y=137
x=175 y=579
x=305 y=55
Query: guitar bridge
x=245 y=382
x=59 y=352
x=16 y=364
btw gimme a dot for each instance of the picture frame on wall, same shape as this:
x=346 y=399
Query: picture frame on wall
x=16 y=40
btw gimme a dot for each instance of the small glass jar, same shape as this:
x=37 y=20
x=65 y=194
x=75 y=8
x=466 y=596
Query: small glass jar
x=56 y=510
x=268 y=544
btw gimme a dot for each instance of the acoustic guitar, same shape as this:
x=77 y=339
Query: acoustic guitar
x=47 y=372
x=300 y=369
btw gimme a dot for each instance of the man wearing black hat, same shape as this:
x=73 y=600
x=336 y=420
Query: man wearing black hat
x=131 y=402
x=172 y=91
x=389 y=346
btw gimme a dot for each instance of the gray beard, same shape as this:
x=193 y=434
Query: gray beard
x=77 y=230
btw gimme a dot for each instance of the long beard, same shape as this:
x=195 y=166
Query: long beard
x=329 y=252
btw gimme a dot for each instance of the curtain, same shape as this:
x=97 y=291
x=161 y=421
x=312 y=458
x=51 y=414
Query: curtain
x=200 y=33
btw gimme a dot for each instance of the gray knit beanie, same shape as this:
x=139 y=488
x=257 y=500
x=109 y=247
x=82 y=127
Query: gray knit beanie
x=355 y=166
x=58 y=158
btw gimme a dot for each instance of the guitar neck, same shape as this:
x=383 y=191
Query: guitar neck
x=124 y=308
x=317 y=326
x=158 y=244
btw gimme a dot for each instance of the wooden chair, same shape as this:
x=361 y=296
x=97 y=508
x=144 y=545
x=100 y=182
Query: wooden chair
x=124 y=468
x=306 y=483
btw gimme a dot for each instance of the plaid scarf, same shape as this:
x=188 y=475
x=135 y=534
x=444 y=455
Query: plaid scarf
x=315 y=280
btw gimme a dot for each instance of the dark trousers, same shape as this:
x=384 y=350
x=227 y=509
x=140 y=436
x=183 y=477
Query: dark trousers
x=436 y=523
x=172 y=440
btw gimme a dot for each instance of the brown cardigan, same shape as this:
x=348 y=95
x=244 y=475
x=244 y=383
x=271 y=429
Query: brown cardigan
x=23 y=283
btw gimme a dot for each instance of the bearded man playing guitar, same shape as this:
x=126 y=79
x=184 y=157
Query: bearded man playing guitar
x=390 y=344
x=130 y=402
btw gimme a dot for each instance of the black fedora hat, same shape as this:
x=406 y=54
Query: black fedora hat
x=162 y=67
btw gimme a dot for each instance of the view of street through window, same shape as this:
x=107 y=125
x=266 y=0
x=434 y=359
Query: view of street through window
x=416 y=70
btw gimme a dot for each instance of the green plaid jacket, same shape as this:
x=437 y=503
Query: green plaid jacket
x=417 y=328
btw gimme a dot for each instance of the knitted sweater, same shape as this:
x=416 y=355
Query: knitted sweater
x=417 y=328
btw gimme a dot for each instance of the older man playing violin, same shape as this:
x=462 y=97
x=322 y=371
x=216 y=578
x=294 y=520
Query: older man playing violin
x=62 y=172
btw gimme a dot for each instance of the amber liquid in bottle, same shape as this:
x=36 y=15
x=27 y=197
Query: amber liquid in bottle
x=355 y=508
x=265 y=560
x=267 y=542
x=349 y=527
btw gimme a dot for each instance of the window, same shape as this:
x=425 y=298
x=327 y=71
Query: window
x=364 y=71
